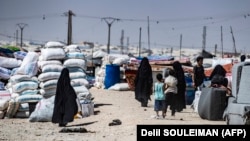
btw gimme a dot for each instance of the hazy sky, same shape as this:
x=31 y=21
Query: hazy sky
x=169 y=19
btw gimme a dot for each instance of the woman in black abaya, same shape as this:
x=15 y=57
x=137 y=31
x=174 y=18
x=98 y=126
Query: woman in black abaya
x=180 y=102
x=143 y=82
x=65 y=105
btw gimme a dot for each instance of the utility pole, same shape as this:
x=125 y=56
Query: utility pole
x=222 y=53
x=109 y=21
x=215 y=49
x=180 y=45
x=171 y=51
x=148 y=35
x=204 y=38
x=69 y=14
x=122 y=38
x=127 y=45
x=22 y=26
x=16 y=37
x=235 y=52
x=140 y=43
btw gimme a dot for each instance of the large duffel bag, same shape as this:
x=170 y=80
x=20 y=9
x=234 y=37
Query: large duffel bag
x=212 y=103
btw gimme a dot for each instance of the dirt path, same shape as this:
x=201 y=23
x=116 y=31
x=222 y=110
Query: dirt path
x=109 y=105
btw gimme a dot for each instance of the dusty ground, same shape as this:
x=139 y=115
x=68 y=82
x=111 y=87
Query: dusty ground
x=109 y=105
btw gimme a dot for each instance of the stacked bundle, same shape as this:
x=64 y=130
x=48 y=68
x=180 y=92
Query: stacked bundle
x=76 y=63
x=23 y=87
x=50 y=63
x=8 y=66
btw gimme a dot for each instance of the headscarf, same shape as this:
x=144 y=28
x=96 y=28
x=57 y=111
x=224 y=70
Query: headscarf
x=219 y=70
x=218 y=76
x=179 y=73
x=144 y=71
x=145 y=68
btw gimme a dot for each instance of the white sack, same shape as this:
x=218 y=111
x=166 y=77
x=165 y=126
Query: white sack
x=52 y=54
x=9 y=62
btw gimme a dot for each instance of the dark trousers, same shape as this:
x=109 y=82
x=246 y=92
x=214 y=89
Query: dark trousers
x=171 y=101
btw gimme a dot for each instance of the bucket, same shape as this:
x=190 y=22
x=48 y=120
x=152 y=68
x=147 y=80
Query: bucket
x=190 y=94
x=112 y=75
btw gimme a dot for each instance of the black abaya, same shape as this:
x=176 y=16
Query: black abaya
x=181 y=87
x=143 y=82
x=65 y=105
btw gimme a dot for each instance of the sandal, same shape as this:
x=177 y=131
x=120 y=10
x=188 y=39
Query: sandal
x=157 y=117
x=115 y=122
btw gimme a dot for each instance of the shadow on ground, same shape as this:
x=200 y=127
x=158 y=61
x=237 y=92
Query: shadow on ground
x=82 y=124
x=100 y=104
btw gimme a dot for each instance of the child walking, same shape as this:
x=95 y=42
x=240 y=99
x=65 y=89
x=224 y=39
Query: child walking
x=171 y=91
x=159 y=96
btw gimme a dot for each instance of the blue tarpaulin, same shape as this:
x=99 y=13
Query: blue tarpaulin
x=157 y=58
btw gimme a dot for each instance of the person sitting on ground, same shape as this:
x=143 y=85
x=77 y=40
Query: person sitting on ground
x=219 y=80
x=218 y=77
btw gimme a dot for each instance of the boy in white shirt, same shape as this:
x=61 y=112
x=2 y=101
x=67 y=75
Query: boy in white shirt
x=170 y=91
